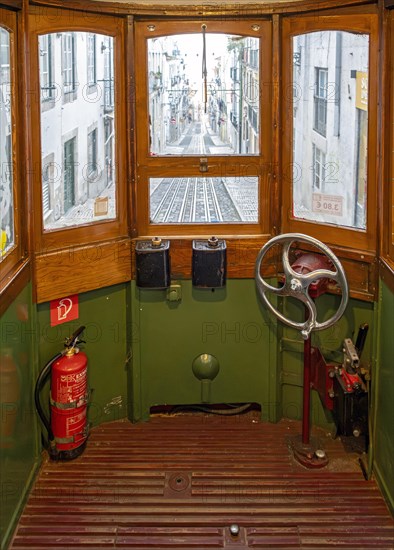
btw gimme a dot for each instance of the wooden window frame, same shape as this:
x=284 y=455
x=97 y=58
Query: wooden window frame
x=336 y=236
x=388 y=183
x=14 y=260
x=155 y=166
x=53 y=21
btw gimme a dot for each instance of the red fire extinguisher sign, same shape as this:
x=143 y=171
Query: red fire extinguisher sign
x=64 y=310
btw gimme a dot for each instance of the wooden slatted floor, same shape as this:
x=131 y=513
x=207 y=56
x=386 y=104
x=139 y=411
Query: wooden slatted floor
x=179 y=482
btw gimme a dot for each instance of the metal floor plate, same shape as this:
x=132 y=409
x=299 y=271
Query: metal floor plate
x=180 y=482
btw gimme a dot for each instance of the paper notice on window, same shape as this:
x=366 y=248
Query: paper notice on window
x=101 y=206
x=327 y=204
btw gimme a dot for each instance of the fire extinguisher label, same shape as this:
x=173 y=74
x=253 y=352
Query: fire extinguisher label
x=71 y=387
x=76 y=423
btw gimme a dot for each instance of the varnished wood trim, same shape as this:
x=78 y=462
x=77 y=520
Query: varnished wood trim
x=275 y=194
x=207 y=9
x=15 y=282
x=389 y=4
x=361 y=271
x=76 y=269
x=131 y=123
x=387 y=180
x=10 y=21
x=386 y=272
x=13 y=4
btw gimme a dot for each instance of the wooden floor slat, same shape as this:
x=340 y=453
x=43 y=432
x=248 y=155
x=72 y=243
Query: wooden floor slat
x=179 y=482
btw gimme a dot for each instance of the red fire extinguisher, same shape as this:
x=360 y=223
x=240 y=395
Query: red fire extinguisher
x=68 y=427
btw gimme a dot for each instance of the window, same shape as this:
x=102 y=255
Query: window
x=107 y=50
x=92 y=167
x=46 y=69
x=200 y=161
x=69 y=175
x=319 y=168
x=7 y=225
x=68 y=62
x=320 y=101
x=189 y=116
x=46 y=196
x=12 y=234
x=82 y=187
x=333 y=157
x=91 y=59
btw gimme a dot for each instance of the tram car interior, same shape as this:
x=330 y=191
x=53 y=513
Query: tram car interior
x=197 y=274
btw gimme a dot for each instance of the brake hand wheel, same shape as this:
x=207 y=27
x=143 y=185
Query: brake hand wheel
x=297 y=284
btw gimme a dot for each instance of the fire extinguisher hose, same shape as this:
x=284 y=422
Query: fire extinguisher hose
x=42 y=378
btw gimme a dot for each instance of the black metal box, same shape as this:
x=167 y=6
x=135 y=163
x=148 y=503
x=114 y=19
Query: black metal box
x=153 y=264
x=350 y=409
x=209 y=263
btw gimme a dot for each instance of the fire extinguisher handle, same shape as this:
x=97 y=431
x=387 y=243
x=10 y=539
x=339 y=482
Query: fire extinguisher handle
x=74 y=338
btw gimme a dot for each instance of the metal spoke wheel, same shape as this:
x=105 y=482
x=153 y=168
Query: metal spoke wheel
x=297 y=284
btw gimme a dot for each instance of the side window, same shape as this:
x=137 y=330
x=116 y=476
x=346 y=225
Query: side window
x=331 y=128
x=389 y=196
x=78 y=133
x=7 y=228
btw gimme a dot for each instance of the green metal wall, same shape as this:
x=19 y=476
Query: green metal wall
x=383 y=441
x=19 y=449
x=141 y=347
x=227 y=323
x=104 y=314
x=330 y=342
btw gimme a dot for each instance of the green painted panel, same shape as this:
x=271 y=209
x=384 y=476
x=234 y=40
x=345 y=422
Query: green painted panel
x=329 y=341
x=18 y=424
x=104 y=314
x=227 y=323
x=384 y=422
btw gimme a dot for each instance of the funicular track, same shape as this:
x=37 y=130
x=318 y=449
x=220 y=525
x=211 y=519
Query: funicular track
x=179 y=483
x=192 y=200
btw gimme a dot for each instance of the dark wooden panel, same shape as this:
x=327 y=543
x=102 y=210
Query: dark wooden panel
x=206 y=8
x=77 y=269
x=179 y=482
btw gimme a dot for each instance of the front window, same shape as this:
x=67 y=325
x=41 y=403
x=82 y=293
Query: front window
x=204 y=200
x=217 y=114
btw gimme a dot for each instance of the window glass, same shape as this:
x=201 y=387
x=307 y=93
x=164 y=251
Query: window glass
x=7 y=230
x=77 y=128
x=203 y=94
x=330 y=110
x=204 y=200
